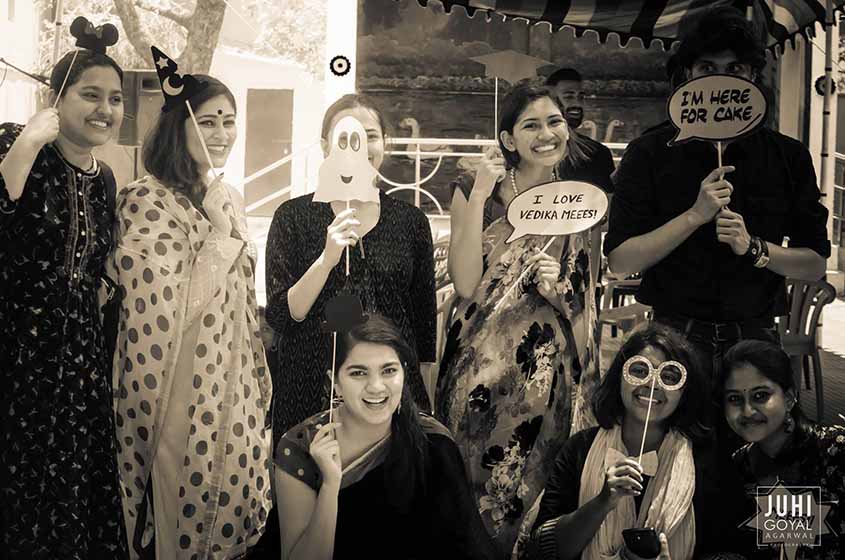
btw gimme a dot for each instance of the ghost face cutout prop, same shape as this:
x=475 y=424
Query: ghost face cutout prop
x=346 y=173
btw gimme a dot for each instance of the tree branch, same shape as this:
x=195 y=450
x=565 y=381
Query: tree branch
x=182 y=18
x=138 y=38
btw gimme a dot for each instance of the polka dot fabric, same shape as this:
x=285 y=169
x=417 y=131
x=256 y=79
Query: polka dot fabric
x=176 y=269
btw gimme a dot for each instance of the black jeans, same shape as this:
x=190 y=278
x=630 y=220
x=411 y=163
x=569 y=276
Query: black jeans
x=712 y=340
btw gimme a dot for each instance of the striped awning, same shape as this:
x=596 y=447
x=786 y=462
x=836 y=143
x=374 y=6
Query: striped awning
x=650 y=20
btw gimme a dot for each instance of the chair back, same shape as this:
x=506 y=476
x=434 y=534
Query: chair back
x=447 y=300
x=806 y=300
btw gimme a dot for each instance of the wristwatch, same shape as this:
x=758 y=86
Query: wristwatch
x=758 y=251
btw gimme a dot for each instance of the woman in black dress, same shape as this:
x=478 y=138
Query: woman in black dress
x=391 y=270
x=58 y=474
x=381 y=480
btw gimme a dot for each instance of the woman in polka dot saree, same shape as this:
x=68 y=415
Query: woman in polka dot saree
x=59 y=494
x=193 y=390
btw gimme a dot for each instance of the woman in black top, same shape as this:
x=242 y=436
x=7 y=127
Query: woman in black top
x=382 y=480
x=597 y=489
x=760 y=400
x=391 y=270
x=58 y=475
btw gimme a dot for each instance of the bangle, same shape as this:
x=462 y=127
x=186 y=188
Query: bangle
x=762 y=260
x=758 y=252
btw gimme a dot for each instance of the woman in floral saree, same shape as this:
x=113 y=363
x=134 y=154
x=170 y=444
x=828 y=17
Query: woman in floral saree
x=513 y=376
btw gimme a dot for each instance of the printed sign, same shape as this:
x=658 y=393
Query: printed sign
x=789 y=516
x=558 y=208
x=717 y=107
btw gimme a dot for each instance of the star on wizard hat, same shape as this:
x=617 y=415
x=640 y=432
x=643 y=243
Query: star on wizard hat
x=177 y=88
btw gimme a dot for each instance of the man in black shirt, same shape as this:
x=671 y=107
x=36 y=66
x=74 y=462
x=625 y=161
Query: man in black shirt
x=599 y=165
x=709 y=239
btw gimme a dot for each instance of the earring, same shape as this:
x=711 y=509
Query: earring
x=789 y=423
x=399 y=408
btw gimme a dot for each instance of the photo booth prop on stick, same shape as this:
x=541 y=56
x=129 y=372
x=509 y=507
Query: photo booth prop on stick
x=95 y=39
x=510 y=66
x=346 y=175
x=556 y=208
x=716 y=108
x=180 y=88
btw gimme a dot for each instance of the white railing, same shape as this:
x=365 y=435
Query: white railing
x=416 y=154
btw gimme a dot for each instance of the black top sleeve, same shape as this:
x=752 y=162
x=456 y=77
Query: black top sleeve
x=8 y=134
x=457 y=527
x=280 y=255
x=424 y=311
x=492 y=209
x=632 y=208
x=808 y=222
x=564 y=484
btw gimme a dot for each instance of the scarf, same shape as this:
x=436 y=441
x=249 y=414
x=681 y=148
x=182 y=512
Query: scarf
x=666 y=505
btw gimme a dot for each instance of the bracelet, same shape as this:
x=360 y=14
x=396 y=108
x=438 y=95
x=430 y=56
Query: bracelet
x=763 y=260
x=758 y=252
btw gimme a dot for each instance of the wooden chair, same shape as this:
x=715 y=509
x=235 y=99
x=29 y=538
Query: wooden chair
x=798 y=330
x=624 y=317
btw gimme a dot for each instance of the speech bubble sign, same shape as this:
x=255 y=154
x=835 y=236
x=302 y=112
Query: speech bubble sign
x=717 y=107
x=558 y=208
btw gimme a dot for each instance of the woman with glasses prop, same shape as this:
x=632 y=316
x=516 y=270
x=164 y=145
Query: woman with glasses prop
x=631 y=487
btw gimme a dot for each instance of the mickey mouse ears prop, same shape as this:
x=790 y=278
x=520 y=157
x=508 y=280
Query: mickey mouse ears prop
x=94 y=39
x=343 y=312
x=177 y=88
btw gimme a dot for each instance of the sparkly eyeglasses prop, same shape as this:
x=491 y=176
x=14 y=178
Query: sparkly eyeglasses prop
x=671 y=375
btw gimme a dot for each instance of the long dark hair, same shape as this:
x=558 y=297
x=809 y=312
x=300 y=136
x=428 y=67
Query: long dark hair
x=514 y=104
x=85 y=59
x=772 y=363
x=165 y=152
x=689 y=417
x=407 y=457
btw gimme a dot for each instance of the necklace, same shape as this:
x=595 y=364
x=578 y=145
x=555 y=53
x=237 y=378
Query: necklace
x=513 y=180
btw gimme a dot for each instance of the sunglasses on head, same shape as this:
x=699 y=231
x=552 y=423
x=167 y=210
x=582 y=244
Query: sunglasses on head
x=671 y=375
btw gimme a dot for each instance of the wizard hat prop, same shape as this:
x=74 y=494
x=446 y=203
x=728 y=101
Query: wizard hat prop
x=177 y=88
x=94 y=39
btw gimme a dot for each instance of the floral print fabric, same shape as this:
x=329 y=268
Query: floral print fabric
x=512 y=380
x=59 y=494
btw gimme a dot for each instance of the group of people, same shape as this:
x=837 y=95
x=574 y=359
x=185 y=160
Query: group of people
x=172 y=438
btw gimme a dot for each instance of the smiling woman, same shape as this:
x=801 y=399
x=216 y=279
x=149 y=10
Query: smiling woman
x=649 y=404
x=760 y=399
x=58 y=475
x=383 y=480
x=386 y=242
x=190 y=357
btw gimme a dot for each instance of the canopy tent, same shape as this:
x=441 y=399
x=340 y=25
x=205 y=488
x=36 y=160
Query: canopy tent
x=649 y=20
x=781 y=21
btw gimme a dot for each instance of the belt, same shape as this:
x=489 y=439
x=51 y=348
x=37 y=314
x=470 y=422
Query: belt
x=717 y=331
